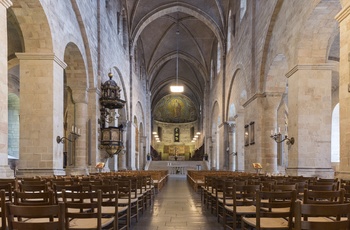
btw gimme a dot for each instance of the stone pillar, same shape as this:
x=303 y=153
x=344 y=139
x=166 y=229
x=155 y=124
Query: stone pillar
x=93 y=139
x=115 y=163
x=80 y=166
x=5 y=170
x=309 y=107
x=143 y=153
x=222 y=146
x=344 y=92
x=122 y=160
x=231 y=146
x=40 y=123
x=129 y=144
x=269 y=146
x=240 y=143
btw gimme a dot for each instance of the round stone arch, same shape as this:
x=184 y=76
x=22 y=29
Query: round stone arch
x=318 y=29
x=118 y=78
x=275 y=80
x=155 y=68
x=76 y=72
x=37 y=39
x=171 y=8
x=238 y=83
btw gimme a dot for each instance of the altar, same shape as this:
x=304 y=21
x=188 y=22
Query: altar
x=179 y=158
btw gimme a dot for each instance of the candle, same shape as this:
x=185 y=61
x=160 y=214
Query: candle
x=72 y=128
x=279 y=130
x=78 y=131
x=271 y=132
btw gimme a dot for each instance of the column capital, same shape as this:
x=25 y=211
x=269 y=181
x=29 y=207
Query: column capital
x=344 y=13
x=322 y=66
x=6 y=3
x=41 y=56
x=80 y=95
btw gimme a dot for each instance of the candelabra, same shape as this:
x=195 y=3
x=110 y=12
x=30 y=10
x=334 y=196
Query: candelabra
x=75 y=133
x=277 y=137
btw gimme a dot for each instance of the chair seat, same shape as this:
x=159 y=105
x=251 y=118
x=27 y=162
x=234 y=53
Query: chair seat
x=267 y=222
x=277 y=209
x=38 y=220
x=228 y=202
x=125 y=201
x=320 y=219
x=89 y=223
x=242 y=210
x=110 y=210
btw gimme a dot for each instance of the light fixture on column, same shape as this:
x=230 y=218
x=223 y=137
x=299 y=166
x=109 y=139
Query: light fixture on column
x=277 y=137
x=75 y=133
x=177 y=88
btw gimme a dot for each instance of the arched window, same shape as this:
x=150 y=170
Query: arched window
x=335 y=135
x=229 y=31
x=243 y=8
x=218 y=65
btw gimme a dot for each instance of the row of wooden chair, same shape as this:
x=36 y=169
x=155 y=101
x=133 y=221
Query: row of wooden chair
x=250 y=204
x=134 y=195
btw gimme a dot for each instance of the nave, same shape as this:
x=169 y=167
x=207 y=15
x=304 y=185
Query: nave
x=177 y=206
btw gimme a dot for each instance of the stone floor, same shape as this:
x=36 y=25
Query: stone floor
x=177 y=206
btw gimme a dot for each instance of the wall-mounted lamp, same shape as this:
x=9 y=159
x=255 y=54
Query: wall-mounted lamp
x=277 y=137
x=233 y=153
x=75 y=134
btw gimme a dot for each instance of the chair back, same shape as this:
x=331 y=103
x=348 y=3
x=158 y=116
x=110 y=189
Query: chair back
x=2 y=209
x=333 y=211
x=57 y=189
x=33 y=187
x=322 y=187
x=82 y=210
x=275 y=205
x=323 y=197
x=33 y=199
x=45 y=215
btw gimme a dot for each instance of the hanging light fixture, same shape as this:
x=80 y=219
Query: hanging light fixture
x=177 y=88
x=111 y=137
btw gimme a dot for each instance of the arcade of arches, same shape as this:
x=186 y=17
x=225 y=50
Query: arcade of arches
x=249 y=69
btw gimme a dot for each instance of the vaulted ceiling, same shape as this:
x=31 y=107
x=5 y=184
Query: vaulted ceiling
x=153 y=25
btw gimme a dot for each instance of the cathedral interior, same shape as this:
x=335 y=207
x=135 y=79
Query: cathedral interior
x=263 y=82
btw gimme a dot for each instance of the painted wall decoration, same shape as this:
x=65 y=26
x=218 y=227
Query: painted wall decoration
x=175 y=109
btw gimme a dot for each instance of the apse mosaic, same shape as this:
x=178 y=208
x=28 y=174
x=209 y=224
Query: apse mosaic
x=175 y=109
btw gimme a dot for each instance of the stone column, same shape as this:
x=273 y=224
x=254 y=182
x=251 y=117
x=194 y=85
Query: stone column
x=122 y=160
x=344 y=92
x=41 y=122
x=269 y=146
x=231 y=146
x=222 y=146
x=80 y=119
x=142 y=152
x=309 y=107
x=93 y=139
x=129 y=144
x=240 y=143
x=5 y=170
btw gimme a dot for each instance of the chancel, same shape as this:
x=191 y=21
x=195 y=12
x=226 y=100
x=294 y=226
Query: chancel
x=175 y=96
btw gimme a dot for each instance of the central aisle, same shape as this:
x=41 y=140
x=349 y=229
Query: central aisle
x=177 y=206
